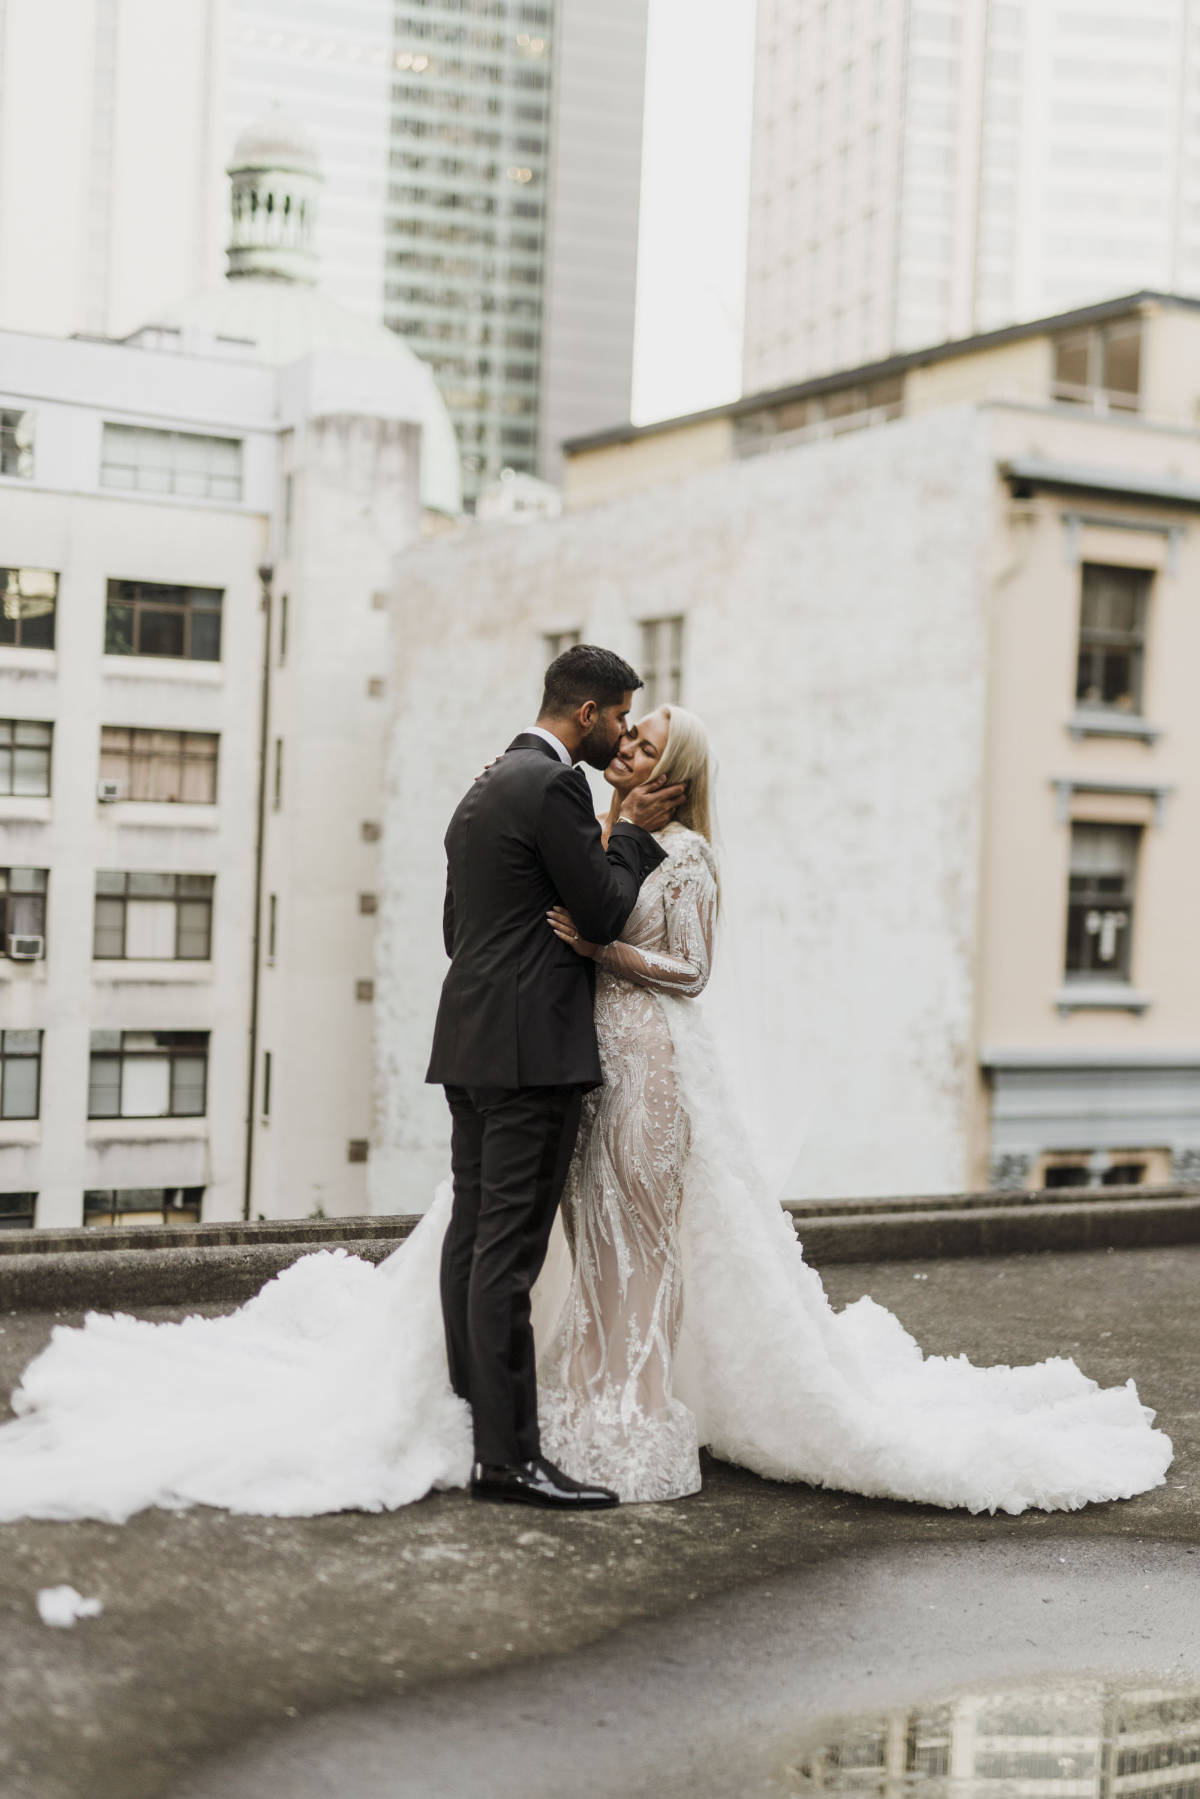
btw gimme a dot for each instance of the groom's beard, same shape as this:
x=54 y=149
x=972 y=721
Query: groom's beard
x=598 y=748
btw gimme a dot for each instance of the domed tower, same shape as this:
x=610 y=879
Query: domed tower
x=275 y=175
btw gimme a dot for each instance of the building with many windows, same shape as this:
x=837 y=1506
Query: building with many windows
x=480 y=182
x=939 y=614
x=515 y=169
x=929 y=169
x=196 y=527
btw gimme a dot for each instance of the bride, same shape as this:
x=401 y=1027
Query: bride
x=675 y=1309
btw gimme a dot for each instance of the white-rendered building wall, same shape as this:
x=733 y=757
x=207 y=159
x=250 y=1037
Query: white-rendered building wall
x=836 y=608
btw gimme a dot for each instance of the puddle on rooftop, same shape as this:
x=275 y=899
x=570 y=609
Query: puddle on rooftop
x=1087 y=1740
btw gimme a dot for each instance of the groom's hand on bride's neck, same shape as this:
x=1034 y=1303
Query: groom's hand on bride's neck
x=653 y=805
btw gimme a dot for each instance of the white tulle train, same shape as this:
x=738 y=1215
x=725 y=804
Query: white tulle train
x=328 y=1390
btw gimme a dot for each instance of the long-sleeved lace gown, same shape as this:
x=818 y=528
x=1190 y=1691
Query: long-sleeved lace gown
x=686 y=1315
x=605 y=1384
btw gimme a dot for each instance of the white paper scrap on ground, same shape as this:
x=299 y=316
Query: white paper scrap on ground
x=61 y=1606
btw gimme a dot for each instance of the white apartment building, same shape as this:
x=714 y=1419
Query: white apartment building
x=928 y=169
x=196 y=527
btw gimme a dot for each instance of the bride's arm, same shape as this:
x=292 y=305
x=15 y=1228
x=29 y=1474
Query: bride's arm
x=691 y=908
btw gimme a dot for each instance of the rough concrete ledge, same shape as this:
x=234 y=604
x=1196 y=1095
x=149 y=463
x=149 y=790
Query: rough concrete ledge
x=131 y=1268
x=391 y=1229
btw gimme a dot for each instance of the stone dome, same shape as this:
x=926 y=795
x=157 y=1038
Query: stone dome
x=269 y=298
x=275 y=141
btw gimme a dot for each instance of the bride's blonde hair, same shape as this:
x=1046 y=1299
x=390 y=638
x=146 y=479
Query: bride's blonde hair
x=685 y=757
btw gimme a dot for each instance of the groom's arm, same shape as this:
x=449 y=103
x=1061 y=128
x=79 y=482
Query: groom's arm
x=597 y=887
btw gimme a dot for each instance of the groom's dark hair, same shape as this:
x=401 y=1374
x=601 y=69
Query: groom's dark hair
x=586 y=672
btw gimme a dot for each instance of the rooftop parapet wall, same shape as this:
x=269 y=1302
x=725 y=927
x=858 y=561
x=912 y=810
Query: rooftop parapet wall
x=206 y=1264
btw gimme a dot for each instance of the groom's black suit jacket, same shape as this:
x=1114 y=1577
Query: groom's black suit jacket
x=516 y=1006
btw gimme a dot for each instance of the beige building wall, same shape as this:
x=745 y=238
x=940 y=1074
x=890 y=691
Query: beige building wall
x=606 y=472
x=1043 y=773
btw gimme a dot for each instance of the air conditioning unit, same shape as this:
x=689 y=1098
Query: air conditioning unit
x=107 y=791
x=25 y=949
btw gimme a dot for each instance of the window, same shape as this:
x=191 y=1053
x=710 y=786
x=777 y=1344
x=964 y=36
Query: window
x=555 y=642
x=662 y=660
x=1112 y=632
x=283 y=625
x=149 y=618
x=160 y=765
x=142 y=1205
x=147 y=1074
x=16 y=443
x=152 y=917
x=1100 y=902
x=1103 y=1168
x=17 y=1211
x=20 y=1073
x=22 y=905
x=25 y=757
x=173 y=462
x=277 y=778
x=1100 y=367
x=266 y=1098
x=272 y=925
x=356 y=1149
x=28 y=605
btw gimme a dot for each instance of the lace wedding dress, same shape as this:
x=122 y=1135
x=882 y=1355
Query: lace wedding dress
x=675 y=1309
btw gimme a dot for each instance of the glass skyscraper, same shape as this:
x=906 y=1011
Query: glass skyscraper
x=466 y=215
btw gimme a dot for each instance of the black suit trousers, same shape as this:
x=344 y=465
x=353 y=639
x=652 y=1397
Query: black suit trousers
x=510 y=1151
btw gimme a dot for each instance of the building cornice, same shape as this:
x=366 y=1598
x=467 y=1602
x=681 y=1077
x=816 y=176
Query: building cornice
x=1034 y=472
x=1021 y=1058
x=761 y=401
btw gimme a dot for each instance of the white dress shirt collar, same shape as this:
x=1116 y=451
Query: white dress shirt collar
x=556 y=743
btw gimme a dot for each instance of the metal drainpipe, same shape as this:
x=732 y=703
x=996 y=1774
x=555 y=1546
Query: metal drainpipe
x=266 y=575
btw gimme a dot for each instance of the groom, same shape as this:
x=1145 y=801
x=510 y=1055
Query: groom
x=515 y=1044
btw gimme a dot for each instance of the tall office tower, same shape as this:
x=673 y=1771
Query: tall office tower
x=512 y=216
x=595 y=204
x=925 y=169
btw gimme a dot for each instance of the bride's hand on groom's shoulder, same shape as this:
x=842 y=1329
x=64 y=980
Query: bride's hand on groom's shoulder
x=653 y=805
x=563 y=926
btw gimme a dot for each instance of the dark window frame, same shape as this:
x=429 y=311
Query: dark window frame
x=10 y=744
x=189 y=1209
x=178 y=899
x=18 y=1211
x=16 y=457
x=662 y=652
x=1094 y=343
x=131 y=606
x=140 y=756
x=34 y=896
x=1100 y=906
x=1103 y=648
x=9 y=1054
x=23 y=630
x=175 y=1046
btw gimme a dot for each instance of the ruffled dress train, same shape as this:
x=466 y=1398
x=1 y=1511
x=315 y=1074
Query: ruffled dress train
x=675 y=1310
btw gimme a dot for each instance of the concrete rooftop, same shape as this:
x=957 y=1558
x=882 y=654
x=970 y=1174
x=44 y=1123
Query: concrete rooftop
x=456 y=1648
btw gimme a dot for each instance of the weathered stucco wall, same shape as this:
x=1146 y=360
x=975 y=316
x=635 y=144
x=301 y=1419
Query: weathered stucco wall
x=835 y=598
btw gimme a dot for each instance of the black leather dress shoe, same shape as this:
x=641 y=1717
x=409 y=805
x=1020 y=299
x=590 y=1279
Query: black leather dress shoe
x=536 y=1483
